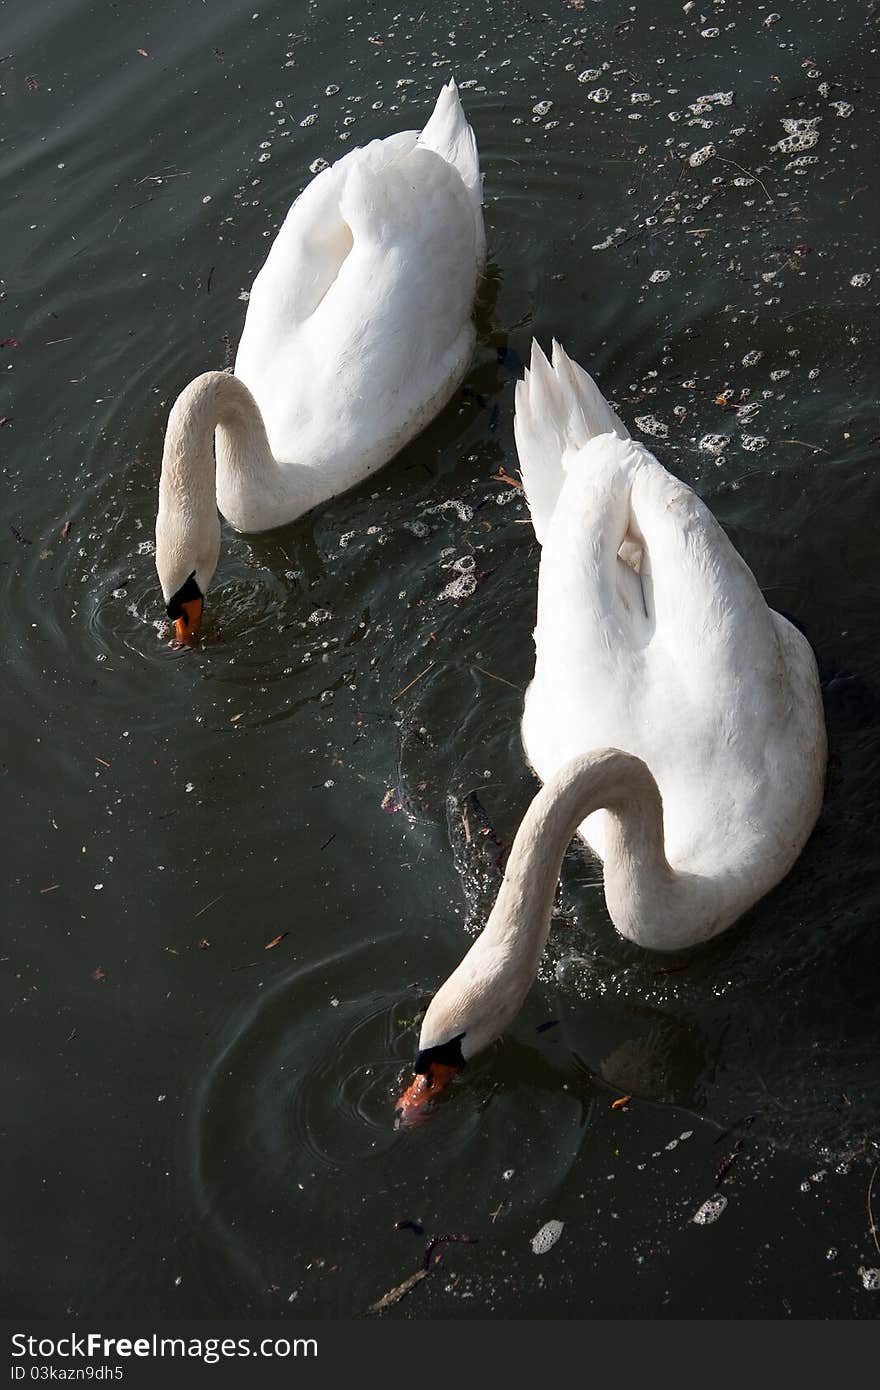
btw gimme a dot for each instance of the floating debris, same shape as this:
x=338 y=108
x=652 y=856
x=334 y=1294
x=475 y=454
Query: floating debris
x=546 y=1238
x=727 y=1162
x=413 y=1226
x=870 y=1279
x=714 y=443
x=705 y=103
x=701 y=156
x=710 y=1211
x=398 y=1292
x=801 y=134
x=460 y=588
x=649 y=424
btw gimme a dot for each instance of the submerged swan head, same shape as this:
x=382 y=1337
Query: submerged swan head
x=470 y=1010
x=185 y=565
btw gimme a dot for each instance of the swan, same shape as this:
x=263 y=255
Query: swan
x=675 y=720
x=358 y=331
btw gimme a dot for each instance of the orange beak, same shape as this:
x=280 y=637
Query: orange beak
x=186 y=627
x=412 y=1107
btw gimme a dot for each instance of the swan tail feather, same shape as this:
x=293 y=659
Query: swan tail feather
x=449 y=135
x=559 y=410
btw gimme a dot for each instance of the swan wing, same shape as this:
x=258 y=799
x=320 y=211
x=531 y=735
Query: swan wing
x=359 y=324
x=653 y=637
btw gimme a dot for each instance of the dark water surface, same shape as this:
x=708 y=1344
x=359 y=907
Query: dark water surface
x=193 y=1125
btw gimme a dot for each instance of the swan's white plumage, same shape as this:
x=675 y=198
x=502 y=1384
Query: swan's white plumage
x=359 y=324
x=358 y=331
x=674 y=719
x=653 y=637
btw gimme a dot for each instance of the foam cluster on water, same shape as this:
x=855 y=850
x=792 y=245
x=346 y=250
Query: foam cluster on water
x=649 y=424
x=710 y=1211
x=546 y=1238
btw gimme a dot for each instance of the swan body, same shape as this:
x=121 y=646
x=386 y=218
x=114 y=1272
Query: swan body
x=675 y=720
x=358 y=331
x=653 y=637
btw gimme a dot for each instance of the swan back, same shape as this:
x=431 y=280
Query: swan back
x=359 y=324
x=653 y=637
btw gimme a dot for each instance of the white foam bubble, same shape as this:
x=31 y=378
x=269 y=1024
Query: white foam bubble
x=649 y=424
x=547 y=1237
x=710 y=1211
x=460 y=588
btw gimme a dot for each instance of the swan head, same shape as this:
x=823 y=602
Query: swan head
x=434 y=1068
x=469 y=1011
x=186 y=559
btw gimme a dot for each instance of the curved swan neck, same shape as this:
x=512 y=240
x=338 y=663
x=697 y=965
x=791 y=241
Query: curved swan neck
x=213 y=402
x=486 y=991
x=636 y=870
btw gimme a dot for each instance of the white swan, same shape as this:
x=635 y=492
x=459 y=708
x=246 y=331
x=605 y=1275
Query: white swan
x=357 y=333
x=675 y=719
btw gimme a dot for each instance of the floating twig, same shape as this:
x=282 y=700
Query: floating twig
x=428 y=668
x=502 y=477
x=727 y=1163
x=398 y=1292
x=401 y=1290
x=492 y=676
x=207 y=905
x=817 y=448
x=743 y=170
